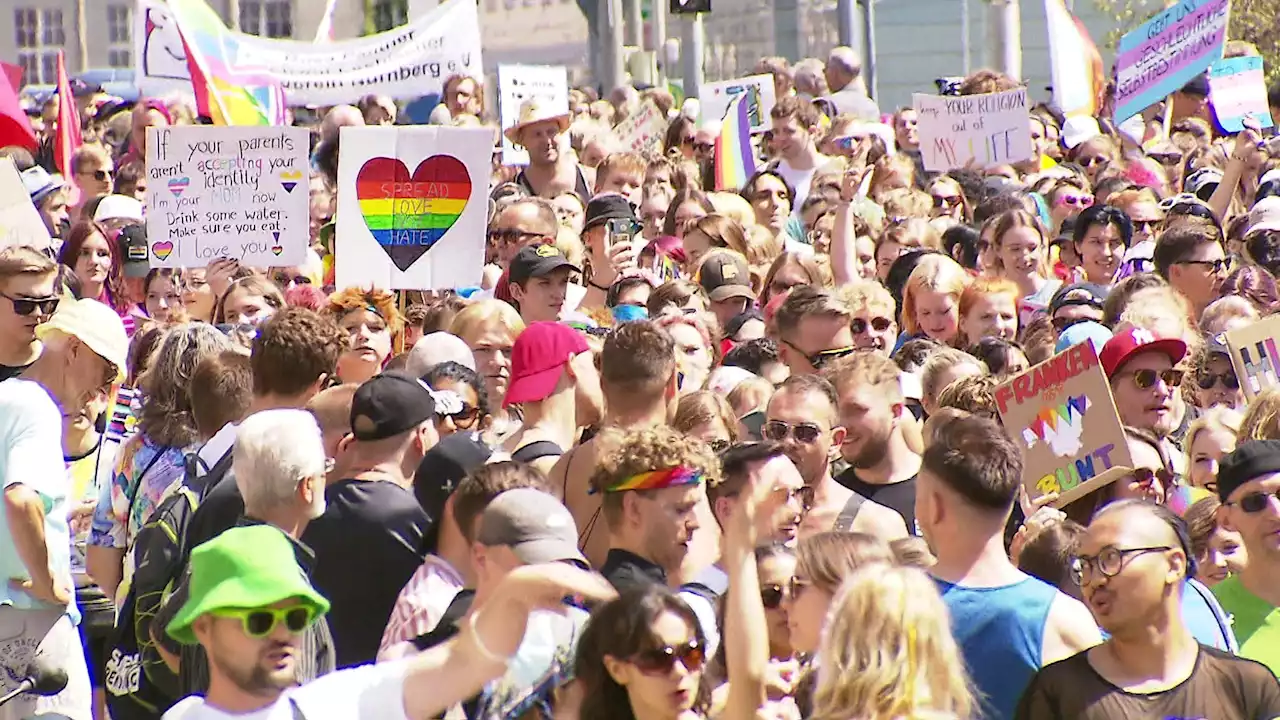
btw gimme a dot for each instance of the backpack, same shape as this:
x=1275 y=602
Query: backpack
x=139 y=685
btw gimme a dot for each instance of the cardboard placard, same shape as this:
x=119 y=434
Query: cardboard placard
x=517 y=84
x=1062 y=413
x=642 y=131
x=991 y=129
x=717 y=96
x=1238 y=90
x=1255 y=356
x=1164 y=53
x=20 y=222
x=238 y=192
x=412 y=206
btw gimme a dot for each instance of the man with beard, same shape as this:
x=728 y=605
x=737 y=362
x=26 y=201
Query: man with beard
x=549 y=172
x=1143 y=379
x=250 y=602
x=882 y=467
x=1131 y=566
x=802 y=417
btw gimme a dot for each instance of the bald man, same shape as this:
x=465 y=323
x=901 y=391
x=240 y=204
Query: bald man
x=848 y=90
x=339 y=117
x=1132 y=566
x=332 y=410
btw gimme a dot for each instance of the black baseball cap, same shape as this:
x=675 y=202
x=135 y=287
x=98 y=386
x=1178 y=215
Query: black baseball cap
x=1090 y=294
x=606 y=207
x=441 y=471
x=390 y=404
x=132 y=242
x=1252 y=459
x=537 y=261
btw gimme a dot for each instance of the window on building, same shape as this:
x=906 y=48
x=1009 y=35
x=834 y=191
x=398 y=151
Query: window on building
x=39 y=35
x=120 y=35
x=25 y=23
x=52 y=32
x=389 y=14
x=268 y=18
x=120 y=58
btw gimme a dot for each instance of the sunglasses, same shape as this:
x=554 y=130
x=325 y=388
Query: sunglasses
x=1082 y=201
x=879 y=324
x=1215 y=266
x=946 y=201
x=1256 y=502
x=284 y=279
x=1147 y=476
x=661 y=661
x=804 y=493
x=29 y=306
x=1147 y=225
x=466 y=417
x=510 y=235
x=99 y=175
x=773 y=595
x=1146 y=379
x=822 y=357
x=260 y=622
x=1091 y=161
x=1206 y=381
x=1167 y=159
x=779 y=431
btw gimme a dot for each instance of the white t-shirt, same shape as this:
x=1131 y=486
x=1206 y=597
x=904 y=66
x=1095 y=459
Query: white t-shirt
x=368 y=692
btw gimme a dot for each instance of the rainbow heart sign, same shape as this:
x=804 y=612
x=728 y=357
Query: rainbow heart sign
x=162 y=249
x=408 y=214
x=290 y=180
x=179 y=185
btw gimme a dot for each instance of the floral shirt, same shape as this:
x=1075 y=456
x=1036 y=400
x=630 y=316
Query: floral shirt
x=141 y=467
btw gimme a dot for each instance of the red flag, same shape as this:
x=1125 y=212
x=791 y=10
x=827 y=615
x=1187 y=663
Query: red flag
x=13 y=72
x=15 y=128
x=68 y=139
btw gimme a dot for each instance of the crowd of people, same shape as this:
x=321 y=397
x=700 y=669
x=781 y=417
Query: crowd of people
x=688 y=452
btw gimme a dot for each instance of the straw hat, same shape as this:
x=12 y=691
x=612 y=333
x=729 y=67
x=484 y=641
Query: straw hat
x=532 y=112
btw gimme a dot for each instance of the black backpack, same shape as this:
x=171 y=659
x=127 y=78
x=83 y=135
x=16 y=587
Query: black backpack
x=139 y=685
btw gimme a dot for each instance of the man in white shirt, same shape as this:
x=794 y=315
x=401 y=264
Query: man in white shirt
x=794 y=123
x=249 y=602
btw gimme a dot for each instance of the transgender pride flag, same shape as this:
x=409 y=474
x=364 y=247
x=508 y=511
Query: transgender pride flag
x=1078 y=74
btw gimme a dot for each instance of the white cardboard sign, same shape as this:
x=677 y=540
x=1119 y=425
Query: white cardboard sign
x=716 y=97
x=20 y=222
x=238 y=192
x=991 y=129
x=412 y=206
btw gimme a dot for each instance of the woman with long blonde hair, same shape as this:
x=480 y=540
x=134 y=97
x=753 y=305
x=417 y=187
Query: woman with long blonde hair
x=888 y=652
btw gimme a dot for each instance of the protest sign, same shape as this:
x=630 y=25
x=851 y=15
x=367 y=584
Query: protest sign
x=517 y=84
x=642 y=131
x=1238 y=90
x=237 y=192
x=410 y=61
x=1254 y=355
x=1166 y=52
x=716 y=97
x=992 y=129
x=1063 y=414
x=20 y=222
x=412 y=206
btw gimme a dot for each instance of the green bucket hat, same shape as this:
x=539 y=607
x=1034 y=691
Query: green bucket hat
x=246 y=567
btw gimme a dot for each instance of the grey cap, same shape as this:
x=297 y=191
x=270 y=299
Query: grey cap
x=436 y=348
x=535 y=525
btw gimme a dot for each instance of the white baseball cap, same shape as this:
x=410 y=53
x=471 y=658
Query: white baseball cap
x=118 y=207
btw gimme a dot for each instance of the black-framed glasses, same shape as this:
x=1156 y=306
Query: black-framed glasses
x=773 y=595
x=260 y=622
x=779 y=431
x=1206 y=381
x=1220 y=265
x=879 y=324
x=1256 y=502
x=28 y=306
x=661 y=661
x=1146 y=379
x=1109 y=562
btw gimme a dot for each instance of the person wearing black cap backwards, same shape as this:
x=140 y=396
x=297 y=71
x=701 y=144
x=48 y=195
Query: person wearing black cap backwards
x=1249 y=487
x=539 y=282
x=372 y=535
x=1131 y=566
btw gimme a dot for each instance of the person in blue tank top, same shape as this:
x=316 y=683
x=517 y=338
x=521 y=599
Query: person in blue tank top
x=1007 y=623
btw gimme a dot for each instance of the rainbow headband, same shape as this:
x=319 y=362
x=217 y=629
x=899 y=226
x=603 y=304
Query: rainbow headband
x=657 y=479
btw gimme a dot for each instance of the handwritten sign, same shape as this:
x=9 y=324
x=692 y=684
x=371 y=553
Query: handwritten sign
x=1164 y=53
x=992 y=129
x=1238 y=90
x=641 y=132
x=1063 y=414
x=412 y=204
x=1255 y=355
x=237 y=192
x=716 y=97
x=517 y=84
x=20 y=222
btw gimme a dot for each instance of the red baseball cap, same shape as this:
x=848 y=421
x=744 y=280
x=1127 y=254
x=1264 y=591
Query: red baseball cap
x=1123 y=346
x=537 y=358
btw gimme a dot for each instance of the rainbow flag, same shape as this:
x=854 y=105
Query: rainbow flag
x=227 y=94
x=1079 y=79
x=734 y=160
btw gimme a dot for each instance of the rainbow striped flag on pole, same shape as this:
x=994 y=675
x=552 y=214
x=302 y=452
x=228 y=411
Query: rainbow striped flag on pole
x=227 y=94
x=735 y=162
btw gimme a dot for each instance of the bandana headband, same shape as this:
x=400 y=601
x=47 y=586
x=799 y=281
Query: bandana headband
x=657 y=479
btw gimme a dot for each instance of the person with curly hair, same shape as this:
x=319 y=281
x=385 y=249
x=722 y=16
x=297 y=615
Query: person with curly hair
x=371 y=321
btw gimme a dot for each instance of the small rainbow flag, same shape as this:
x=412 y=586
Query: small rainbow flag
x=735 y=162
x=227 y=94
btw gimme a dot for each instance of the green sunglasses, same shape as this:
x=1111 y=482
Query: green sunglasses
x=260 y=622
